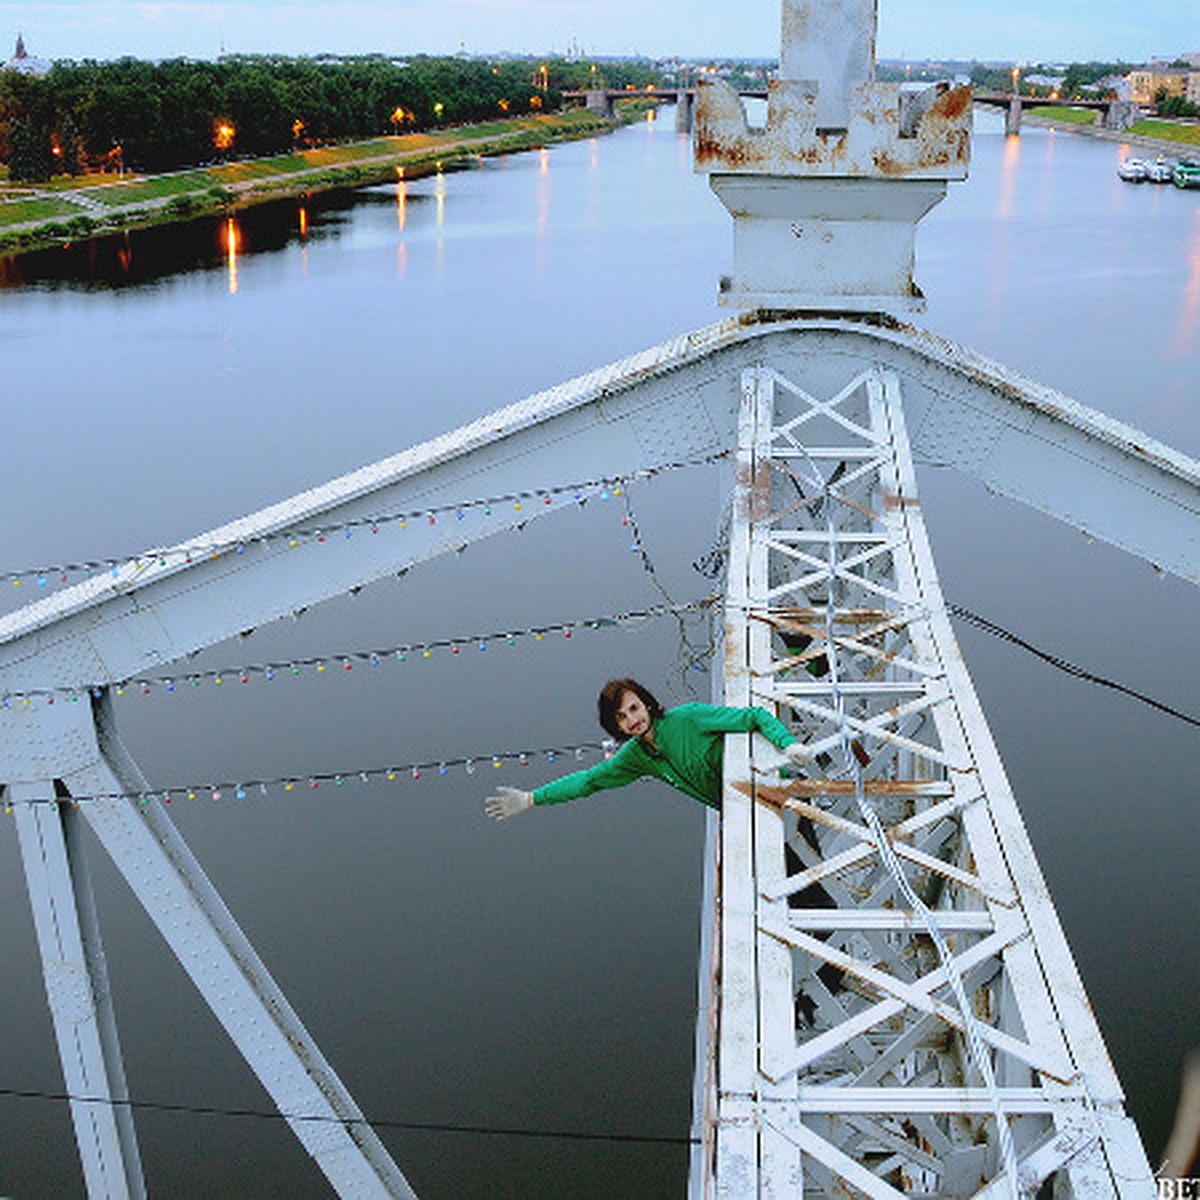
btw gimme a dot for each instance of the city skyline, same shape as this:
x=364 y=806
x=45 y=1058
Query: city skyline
x=1075 y=30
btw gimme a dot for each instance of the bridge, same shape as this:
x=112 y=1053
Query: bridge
x=1117 y=115
x=1114 y=114
x=888 y=1004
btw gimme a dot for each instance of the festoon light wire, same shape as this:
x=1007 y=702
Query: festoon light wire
x=270 y=670
x=240 y=788
x=887 y=855
x=580 y=491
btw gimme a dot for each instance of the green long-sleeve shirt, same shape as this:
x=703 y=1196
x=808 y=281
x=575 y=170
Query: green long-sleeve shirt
x=690 y=752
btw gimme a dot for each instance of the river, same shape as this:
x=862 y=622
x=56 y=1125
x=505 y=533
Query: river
x=541 y=974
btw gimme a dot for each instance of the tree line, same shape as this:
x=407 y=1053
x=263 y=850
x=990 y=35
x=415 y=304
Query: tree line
x=1080 y=79
x=157 y=116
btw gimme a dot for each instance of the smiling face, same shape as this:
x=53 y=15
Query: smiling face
x=640 y=707
x=632 y=715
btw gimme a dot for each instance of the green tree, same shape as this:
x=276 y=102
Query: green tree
x=30 y=159
x=72 y=159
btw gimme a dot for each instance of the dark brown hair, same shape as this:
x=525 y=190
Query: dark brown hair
x=610 y=700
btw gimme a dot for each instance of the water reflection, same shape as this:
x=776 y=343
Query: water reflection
x=1189 y=310
x=264 y=408
x=1046 y=191
x=149 y=257
x=231 y=236
x=1009 y=162
x=1002 y=233
x=543 y=192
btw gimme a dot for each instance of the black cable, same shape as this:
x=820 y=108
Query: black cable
x=1066 y=666
x=409 y=1126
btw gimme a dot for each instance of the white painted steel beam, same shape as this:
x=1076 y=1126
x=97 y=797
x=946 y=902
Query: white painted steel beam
x=77 y=990
x=179 y=898
x=896 y=1000
x=672 y=403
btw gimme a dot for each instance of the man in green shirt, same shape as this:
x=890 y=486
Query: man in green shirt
x=683 y=746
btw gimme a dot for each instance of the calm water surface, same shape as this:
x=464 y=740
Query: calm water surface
x=541 y=974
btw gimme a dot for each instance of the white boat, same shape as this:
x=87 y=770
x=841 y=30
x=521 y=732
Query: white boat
x=1161 y=170
x=1133 y=170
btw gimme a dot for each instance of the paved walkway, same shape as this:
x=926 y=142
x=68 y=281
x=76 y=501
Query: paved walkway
x=263 y=187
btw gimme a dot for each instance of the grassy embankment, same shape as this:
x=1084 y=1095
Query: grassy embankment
x=1072 y=116
x=1167 y=131
x=52 y=214
x=1170 y=136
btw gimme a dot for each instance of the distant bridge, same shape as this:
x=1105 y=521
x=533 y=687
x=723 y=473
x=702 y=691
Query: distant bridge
x=1114 y=114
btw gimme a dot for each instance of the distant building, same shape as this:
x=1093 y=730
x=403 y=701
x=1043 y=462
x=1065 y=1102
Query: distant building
x=1166 y=64
x=26 y=63
x=1145 y=85
x=1050 y=82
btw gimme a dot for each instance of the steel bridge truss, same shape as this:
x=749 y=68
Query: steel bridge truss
x=895 y=1010
x=834 y=619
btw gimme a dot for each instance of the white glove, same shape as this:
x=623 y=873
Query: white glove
x=797 y=754
x=507 y=802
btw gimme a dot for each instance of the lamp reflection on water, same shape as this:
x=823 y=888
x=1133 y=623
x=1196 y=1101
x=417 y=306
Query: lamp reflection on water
x=231 y=238
x=401 y=221
x=1001 y=250
x=543 y=192
x=1008 y=176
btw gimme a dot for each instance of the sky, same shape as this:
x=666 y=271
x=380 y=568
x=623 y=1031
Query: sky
x=1017 y=30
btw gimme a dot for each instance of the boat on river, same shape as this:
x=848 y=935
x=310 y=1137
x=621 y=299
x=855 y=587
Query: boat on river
x=1133 y=170
x=1161 y=170
x=1187 y=173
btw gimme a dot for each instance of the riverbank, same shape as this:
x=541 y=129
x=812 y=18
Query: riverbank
x=1162 y=137
x=38 y=218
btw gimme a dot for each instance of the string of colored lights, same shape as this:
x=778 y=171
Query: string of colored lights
x=604 y=487
x=312 y=780
x=346 y=660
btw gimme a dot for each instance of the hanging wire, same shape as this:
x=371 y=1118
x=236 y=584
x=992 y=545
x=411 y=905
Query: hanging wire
x=853 y=764
x=208 y=1110
x=690 y=657
x=347 y=659
x=1070 y=668
x=241 y=789
x=188 y=552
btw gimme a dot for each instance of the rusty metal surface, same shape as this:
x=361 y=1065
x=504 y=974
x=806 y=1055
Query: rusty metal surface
x=904 y=810
x=793 y=144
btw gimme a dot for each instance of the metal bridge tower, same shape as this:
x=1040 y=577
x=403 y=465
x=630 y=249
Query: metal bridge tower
x=888 y=1004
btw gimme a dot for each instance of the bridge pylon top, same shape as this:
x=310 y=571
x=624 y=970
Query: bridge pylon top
x=826 y=196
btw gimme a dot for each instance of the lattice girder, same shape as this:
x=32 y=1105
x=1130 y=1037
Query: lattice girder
x=898 y=1012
